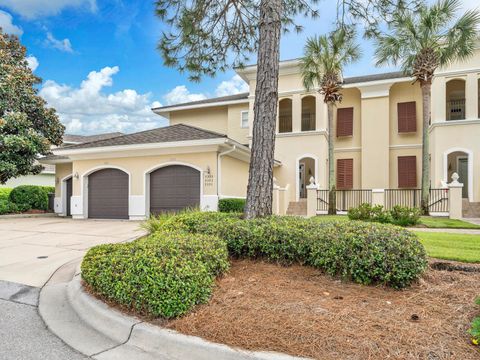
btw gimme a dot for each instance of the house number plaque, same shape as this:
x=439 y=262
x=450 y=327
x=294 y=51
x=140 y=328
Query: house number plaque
x=208 y=180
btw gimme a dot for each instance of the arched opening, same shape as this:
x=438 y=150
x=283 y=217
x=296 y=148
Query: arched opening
x=285 y=116
x=308 y=113
x=455 y=99
x=459 y=162
x=306 y=170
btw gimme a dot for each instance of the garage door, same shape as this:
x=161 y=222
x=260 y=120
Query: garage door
x=108 y=194
x=174 y=188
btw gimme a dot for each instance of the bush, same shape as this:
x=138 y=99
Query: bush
x=231 y=205
x=4 y=193
x=165 y=274
x=30 y=196
x=474 y=330
x=405 y=216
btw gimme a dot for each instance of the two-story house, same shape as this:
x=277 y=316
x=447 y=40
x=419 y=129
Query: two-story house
x=204 y=154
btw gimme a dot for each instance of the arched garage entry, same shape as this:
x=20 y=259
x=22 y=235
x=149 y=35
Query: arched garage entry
x=108 y=194
x=173 y=188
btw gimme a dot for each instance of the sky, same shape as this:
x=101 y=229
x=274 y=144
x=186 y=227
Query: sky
x=102 y=72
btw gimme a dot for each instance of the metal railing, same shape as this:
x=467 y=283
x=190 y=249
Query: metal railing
x=308 y=121
x=456 y=109
x=403 y=197
x=345 y=199
x=439 y=201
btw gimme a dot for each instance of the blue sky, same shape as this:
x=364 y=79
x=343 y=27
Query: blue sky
x=101 y=69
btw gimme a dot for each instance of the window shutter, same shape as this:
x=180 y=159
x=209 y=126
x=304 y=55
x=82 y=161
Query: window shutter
x=344 y=173
x=407 y=171
x=407 y=117
x=345 y=122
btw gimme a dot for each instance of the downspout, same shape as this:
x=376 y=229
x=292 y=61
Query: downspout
x=219 y=167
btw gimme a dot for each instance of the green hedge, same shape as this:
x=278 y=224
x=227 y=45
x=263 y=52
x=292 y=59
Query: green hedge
x=165 y=274
x=5 y=193
x=398 y=215
x=231 y=205
x=31 y=196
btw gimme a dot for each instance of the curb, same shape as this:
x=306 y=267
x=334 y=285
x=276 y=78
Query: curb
x=95 y=329
x=22 y=216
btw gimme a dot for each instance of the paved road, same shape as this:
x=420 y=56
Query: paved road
x=31 y=249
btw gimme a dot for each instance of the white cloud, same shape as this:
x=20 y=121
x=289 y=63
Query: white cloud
x=231 y=87
x=32 y=62
x=62 y=45
x=32 y=9
x=87 y=109
x=7 y=25
x=181 y=94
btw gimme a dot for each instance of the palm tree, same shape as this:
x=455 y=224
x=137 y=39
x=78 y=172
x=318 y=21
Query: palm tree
x=322 y=64
x=421 y=42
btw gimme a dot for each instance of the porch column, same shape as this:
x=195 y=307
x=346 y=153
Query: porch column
x=471 y=97
x=378 y=197
x=312 y=198
x=296 y=113
x=455 y=198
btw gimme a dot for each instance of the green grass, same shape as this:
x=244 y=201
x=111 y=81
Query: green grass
x=447 y=246
x=446 y=223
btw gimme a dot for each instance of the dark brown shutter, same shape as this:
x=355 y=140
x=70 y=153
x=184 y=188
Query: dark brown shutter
x=407 y=117
x=344 y=173
x=407 y=171
x=345 y=122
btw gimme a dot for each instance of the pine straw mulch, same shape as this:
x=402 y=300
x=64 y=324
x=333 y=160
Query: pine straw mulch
x=299 y=311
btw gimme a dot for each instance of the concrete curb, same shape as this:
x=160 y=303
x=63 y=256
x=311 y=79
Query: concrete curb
x=95 y=329
x=21 y=216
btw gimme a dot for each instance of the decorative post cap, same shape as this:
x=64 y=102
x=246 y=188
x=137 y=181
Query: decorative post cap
x=312 y=180
x=312 y=184
x=455 y=182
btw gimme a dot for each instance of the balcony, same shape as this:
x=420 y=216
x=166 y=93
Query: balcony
x=456 y=109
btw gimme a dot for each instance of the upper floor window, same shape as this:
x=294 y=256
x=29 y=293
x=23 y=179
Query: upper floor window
x=344 y=174
x=345 y=122
x=244 y=119
x=407 y=117
x=455 y=93
x=308 y=113
x=407 y=171
x=285 y=116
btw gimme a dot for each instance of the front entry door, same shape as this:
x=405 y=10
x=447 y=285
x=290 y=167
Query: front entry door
x=301 y=180
x=463 y=175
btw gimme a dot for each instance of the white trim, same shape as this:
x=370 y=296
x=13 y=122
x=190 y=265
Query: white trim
x=470 y=168
x=63 y=195
x=84 y=185
x=219 y=167
x=301 y=133
x=146 y=181
x=454 y=122
x=405 y=146
x=456 y=72
x=351 y=149
x=231 y=197
x=375 y=89
x=241 y=119
x=161 y=111
x=297 y=172
x=173 y=144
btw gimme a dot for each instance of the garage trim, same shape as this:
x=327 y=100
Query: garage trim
x=84 y=185
x=146 y=182
x=63 y=194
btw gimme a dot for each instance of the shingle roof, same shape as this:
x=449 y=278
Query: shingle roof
x=178 y=132
x=374 y=77
x=68 y=138
x=242 y=96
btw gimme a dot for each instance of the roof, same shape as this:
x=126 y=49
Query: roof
x=69 y=138
x=173 y=133
x=374 y=77
x=242 y=96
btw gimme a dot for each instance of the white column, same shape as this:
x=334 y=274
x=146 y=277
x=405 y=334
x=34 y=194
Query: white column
x=455 y=198
x=471 y=97
x=296 y=113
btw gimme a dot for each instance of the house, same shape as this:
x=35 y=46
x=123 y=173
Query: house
x=47 y=176
x=204 y=154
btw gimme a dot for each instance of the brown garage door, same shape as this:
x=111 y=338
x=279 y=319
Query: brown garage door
x=174 y=188
x=108 y=194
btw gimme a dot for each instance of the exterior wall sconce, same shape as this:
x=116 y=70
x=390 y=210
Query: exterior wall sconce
x=208 y=171
x=76 y=176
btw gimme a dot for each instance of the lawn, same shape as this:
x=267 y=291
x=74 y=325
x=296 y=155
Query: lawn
x=459 y=247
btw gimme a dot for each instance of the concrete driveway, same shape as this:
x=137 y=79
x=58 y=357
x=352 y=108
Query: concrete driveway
x=31 y=249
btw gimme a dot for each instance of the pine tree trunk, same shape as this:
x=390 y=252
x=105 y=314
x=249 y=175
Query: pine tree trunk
x=260 y=178
x=332 y=203
x=426 y=98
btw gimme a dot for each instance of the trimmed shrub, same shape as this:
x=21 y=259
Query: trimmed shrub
x=163 y=275
x=30 y=196
x=231 y=205
x=5 y=193
x=368 y=253
x=405 y=216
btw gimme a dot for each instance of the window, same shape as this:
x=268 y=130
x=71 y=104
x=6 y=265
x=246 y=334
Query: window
x=308 y=113
x=407 y=117
x=407 y=171
x=285 y=116
x=344 y=174
x=244 y=119
x=345 y=122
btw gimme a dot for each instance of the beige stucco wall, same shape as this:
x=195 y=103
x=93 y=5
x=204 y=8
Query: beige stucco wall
x=357 y=165
x=212 y=118
x=351 y=98
x=234 y=129
x=234 y=177
x=61 y=171
x=137 y=166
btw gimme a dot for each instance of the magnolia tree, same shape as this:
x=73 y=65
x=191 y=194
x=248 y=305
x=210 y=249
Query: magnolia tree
x=204 y=37
x=27 y=127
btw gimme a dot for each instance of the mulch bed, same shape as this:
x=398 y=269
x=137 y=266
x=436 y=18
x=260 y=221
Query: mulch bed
x=299 y=311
